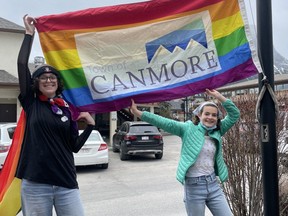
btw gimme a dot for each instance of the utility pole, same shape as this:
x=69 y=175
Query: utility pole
x=267 y=109
x=185 y=108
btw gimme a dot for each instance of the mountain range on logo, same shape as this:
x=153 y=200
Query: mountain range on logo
x=178 y=38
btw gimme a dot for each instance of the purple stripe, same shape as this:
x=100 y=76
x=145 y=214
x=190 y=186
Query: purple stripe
x=235 y=74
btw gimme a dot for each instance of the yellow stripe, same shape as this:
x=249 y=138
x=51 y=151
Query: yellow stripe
x=63 y=59
x=226 y=26
x=11 y=202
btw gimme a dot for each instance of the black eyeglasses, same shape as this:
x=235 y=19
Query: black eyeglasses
x=45 y=78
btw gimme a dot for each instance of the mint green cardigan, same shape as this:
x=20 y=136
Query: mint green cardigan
x=193 y=138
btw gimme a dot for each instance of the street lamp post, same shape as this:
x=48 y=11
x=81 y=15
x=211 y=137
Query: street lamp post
x=185 y=108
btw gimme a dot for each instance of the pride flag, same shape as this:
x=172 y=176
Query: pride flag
x=10 y=199
x=150 y=51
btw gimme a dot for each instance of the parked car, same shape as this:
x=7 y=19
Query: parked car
x=137 y=138
x=6 y=135
x=93 y=152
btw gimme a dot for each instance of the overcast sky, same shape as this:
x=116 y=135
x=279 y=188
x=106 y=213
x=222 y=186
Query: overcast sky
x=14 y=10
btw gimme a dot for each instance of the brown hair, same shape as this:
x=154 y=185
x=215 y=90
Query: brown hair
x=196 y=119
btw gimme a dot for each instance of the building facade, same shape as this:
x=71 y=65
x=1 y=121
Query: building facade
x=11 y=37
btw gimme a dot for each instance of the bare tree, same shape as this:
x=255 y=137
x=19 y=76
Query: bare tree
x=242 y=152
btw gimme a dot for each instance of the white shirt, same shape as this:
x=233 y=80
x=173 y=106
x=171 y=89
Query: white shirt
x=204 y=164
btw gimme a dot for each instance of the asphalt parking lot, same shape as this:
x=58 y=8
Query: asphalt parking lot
x=142 y=186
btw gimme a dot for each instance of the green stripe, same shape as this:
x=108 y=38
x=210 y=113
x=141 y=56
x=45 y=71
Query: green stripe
x=226 y=44
x=73 y=78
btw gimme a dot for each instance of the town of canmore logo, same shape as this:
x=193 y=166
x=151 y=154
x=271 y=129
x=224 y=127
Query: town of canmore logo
x=154 y=56
x=179 y=38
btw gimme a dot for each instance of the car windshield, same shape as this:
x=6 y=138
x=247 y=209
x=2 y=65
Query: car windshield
x=11 y=132
x=94 y=137
x=143 y=129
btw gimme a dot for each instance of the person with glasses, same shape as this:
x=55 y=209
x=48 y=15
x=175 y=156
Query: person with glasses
x=46 y=164
x=201 y=158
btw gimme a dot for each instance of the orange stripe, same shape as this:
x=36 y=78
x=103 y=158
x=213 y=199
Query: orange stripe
x=61 y=40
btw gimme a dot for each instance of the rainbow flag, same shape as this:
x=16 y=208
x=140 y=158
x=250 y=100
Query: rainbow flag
x=10 y=198
x=150 y=51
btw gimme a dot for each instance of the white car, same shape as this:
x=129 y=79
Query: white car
x=6 y=135
x=93 y=152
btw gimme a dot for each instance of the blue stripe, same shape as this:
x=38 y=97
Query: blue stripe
x=82 y=97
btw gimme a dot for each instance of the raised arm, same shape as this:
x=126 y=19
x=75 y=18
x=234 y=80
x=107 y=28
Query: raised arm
x=79 y=141
x=24 y=74
x=169 y=125
x=233 y=113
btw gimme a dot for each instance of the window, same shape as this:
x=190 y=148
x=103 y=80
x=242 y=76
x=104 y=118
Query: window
x=143 y=129
x=11 y=131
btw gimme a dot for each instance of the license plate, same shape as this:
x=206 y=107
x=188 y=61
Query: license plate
x=145 y=138
x=85 y=150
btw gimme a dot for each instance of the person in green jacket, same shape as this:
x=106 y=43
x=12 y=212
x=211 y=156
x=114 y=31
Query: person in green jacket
x=201 y=158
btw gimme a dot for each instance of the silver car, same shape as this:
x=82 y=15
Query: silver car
x=6 y=135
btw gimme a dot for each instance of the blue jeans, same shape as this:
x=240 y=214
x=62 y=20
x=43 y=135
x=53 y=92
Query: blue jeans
x=205 y=190
x=38 y=200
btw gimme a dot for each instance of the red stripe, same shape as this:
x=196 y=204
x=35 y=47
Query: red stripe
x=118 y=14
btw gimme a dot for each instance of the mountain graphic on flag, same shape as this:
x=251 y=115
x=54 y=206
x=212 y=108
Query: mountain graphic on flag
x=179 y=38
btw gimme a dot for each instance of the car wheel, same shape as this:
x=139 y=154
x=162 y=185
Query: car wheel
x=123 y=156
x=104 y=166
x=159 y=156
x=114 y=149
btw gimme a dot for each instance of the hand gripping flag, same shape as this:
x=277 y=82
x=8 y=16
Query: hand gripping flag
x=10 y=199
x=150 y=51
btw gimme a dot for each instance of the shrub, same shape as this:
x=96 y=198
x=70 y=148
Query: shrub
x=242 y=152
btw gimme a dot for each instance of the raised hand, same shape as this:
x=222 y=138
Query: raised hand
x=86 y=117
x=134 y=110
x=29 y=23
x=214 y=93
